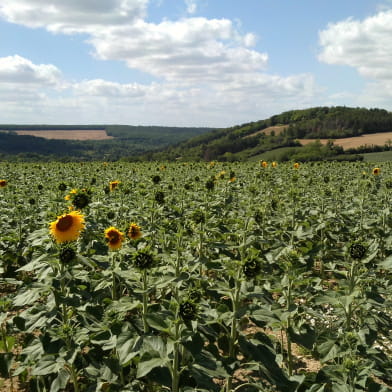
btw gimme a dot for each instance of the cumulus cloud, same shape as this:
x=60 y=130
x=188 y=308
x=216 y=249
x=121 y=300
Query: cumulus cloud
x=19 y=70
x=72 y=16
x=365 y=45
x=206 y=72
x=189 y=49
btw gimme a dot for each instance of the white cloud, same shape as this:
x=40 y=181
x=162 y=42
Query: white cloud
x=205 y=70
x=188 y=50
x=191 y=6
x=17 y=69
x=72 y=16
x=365 y=45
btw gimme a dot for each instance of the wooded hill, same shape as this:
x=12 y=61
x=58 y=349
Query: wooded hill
x=249 y=141
x=127 y=142
x=277 y=135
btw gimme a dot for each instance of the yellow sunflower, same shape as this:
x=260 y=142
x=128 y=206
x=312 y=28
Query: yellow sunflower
x=296 y=165
x=71 y=192
x=264 y=164
x=274 y=164
x=114 y=238
x=113 y=185
x=376 y=171
x=67 y=227
x=134 y=231
x=3 y=183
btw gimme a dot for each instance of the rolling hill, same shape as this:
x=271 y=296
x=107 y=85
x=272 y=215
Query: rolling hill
x=282 y=134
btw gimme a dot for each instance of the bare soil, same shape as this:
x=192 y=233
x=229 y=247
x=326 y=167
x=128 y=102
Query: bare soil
x=276 y=128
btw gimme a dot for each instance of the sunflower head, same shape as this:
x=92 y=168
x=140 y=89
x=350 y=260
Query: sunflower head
x=159 y=197
x=67 y=227
x=188 y=310
x=264 y=164
x=3 y=183
x=296 y=165
x=376 y=171
x=143 y=259
x=134 y=231
x=357 y=251
x=274 y=164
x=81 y=198
x=251 y=268
x=67 y=254
x=113 y=185
x=114 y=238
x=62 y=186
x=156 y=179
x=210 y=184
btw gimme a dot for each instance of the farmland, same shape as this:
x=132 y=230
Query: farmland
x=196 y=277
x=98 y=134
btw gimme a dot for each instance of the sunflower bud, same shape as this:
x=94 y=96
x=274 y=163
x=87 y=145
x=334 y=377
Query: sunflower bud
x=188 y=310
x=251 y=268
x=357 y=251
x=143 y=259
x=159 y=197
x=67 y=254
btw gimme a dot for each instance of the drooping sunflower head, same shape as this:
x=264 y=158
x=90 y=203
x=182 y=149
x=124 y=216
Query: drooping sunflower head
x=3 y=183
x=81 y=198
x=67 y=227
x=274 y=164
x=296 y=165
x=113 y=185
x=114 y=238
x=134 y=231
x=376 y=171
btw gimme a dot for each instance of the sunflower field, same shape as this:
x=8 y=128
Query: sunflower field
x=223 y=277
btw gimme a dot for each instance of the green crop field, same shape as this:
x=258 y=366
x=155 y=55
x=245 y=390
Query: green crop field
x=225 y=277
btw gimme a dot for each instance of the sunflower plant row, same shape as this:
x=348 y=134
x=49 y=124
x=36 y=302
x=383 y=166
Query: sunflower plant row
x=196 y=277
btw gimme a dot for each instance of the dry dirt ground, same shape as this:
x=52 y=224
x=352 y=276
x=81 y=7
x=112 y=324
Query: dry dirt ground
x=376 y=139
x=98 y=134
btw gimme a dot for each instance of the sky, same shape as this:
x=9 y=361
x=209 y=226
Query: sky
x=196 y=63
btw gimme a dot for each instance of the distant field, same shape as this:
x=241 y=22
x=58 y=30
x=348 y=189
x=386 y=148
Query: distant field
x=98 y=134
x=383 y=156
x=377 y=139
x=278 y=129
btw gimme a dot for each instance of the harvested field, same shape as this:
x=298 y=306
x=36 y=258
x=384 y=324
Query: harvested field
x=276 y=128
x=98 y=134
x=376 y=139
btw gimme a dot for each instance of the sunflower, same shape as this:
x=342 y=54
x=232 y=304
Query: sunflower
x=376 y=171
x=274 y=164
x=264 y=164
x=71 y=193
x=134 y=231
x=113 y=185
x=3 y=183
x=67 y=227
x=114 y=238
x=296 y=165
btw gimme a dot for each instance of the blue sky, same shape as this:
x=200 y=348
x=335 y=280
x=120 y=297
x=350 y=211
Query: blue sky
x=190 y=62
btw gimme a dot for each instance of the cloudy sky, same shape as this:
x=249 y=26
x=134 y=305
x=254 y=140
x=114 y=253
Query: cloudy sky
x=190 y=62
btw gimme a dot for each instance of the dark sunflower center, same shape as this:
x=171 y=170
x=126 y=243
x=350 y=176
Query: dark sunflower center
x=64 y=223
x=113 y=237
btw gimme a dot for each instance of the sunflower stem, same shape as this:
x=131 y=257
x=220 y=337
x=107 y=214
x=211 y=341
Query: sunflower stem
x=145 y=301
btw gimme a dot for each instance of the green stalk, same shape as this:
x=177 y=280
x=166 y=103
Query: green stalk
x=63 y=294
x=114 y=280
x=145 y=301
x=175 y=365
x=7 y=350
x=289 y=344
x=233 y=330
